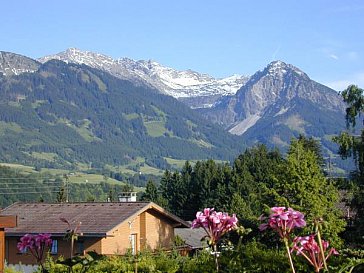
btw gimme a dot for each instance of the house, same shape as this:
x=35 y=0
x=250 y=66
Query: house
x=107 y=228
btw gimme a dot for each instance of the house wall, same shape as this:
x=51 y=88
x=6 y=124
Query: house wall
x=152 y=230
x=119 y=242
x=13 y=255
x=159 y=231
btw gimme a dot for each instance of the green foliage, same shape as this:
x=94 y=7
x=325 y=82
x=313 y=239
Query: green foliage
x=354 y=98
x=11 y=270
x=253 y=172
x=353 y=146
x=255 y=257
x=203 y=185
x=151 y=194
x=302 y=186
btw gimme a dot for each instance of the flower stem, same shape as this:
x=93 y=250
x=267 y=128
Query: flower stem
x=216 y=256
x=289 y=255
x=320 y=244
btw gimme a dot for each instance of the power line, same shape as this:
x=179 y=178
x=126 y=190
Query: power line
x=30 y=183
x=12 y=193
x=29 y=188
x=25 y=178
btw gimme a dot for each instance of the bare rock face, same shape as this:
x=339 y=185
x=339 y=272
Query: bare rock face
x=272 y=92
x=14 y=64
x=195 y=89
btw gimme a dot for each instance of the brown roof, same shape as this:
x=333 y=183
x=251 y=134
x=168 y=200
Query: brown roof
x=97 y=219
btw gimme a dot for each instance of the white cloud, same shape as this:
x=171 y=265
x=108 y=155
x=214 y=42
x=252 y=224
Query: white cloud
x=340 y=85
x=333 y=56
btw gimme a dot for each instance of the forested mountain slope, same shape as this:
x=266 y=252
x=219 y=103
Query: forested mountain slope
x=62 y=114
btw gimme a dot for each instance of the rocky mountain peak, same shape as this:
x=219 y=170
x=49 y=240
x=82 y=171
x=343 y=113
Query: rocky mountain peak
x=271 y=93
x=278 y=69
x=15 y=64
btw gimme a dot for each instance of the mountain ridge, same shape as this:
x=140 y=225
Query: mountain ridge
x=178 y=84
x=63 y=113
x=276 y=103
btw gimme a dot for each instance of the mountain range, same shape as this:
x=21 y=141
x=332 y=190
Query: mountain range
x=270 y=107
x=60 y=114
x=184 y=85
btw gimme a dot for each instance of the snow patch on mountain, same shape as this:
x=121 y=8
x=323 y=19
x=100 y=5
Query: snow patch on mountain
x=14 y=64
x=179 y=84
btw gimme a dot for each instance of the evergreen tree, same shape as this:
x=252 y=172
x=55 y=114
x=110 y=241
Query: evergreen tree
x=314 y=146
x=302 y=185
x=151 y=192
x=253 y=172
x=61 y=195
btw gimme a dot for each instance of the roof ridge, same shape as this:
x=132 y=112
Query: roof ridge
x=80 y=202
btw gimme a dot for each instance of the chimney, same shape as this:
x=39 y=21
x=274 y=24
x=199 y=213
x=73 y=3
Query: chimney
x=127 y=197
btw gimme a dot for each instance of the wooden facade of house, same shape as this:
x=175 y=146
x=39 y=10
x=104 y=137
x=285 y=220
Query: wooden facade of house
x=107 y=228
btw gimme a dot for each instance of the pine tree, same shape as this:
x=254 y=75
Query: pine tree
x=302 y=185
x=151 y=192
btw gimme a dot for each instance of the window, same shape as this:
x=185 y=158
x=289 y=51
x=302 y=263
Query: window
x=54 y=247
x=133 y=243
x=80 y=247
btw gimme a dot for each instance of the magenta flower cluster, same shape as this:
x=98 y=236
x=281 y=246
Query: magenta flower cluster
x=216 y=224
x=35 y=244
x=310 y=249
x=283 y=221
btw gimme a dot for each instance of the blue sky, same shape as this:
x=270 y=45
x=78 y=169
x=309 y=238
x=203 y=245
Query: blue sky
x=325 y=38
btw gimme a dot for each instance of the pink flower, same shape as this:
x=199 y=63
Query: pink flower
x=283 y=221
x=310 y=249
x=216 y=224
x=36 y=244
x=43 y=239
x=26 y=242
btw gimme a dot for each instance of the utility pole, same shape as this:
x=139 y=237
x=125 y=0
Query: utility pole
x=66 y=187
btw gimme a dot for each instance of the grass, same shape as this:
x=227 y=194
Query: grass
x=131 y=116
x=155 y=128
x=59 y=172
x=14 y=104
x=146 y=169
x=21 y=168
x=80 y=178
x=83 y=129
x=44 y=156
x=38 y=103
x=129 y=169
x=9 y=126
x=202 y=143
x=73 y=177
x=176 y=163
x=159 y=112
x=99 y=82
